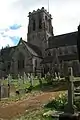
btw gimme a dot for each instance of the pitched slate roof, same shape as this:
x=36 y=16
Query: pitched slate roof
x=68 y=39
x=34 y=48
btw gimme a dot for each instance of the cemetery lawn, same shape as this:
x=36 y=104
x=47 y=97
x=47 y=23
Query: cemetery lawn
x=30 y=105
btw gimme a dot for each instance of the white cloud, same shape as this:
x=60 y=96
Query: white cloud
x=4 y=41
x=65 y=13
x=18 y=32
x=7 y=33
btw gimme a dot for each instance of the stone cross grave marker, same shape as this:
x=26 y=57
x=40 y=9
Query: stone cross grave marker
x=70 y=113
x=70 y=91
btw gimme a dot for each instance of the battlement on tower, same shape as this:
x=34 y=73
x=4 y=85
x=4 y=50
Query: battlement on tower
x=39 y=11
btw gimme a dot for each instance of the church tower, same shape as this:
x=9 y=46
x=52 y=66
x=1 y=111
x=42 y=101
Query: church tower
x=39 y=28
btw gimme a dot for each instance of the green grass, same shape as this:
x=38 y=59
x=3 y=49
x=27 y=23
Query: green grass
x=19 y=85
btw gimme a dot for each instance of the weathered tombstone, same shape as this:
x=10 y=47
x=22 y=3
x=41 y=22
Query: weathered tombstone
x=9 y=80
x=28 y=76
x=45 y=75
x=31 y=79
x=19 y=80
x=69 y=113
x=25 y=77
x=34 y=66
x=4 y=91
x=55 y=75
x=40 y=81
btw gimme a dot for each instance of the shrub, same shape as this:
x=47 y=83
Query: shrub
x=58 y=103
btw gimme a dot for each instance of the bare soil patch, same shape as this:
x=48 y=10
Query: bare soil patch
x=14 y=109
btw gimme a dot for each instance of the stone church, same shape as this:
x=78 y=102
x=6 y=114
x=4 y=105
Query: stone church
x=42 y=50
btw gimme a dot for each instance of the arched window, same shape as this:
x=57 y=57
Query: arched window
x=40 y=23
x=34 y=26
x=20 y=64
x=20 y=61
x=49 y=25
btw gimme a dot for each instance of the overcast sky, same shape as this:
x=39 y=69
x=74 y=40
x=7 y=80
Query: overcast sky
x=14 y=20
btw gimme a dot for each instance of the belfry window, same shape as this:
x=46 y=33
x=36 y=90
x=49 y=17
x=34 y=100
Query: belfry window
x=40 y=23
x=34 y=25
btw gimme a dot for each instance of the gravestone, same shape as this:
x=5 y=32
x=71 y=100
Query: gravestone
x=9 y=79
x=25 y=77
x=4 y=91
x=28 y=76
x=31 y=79
x=19 y=80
